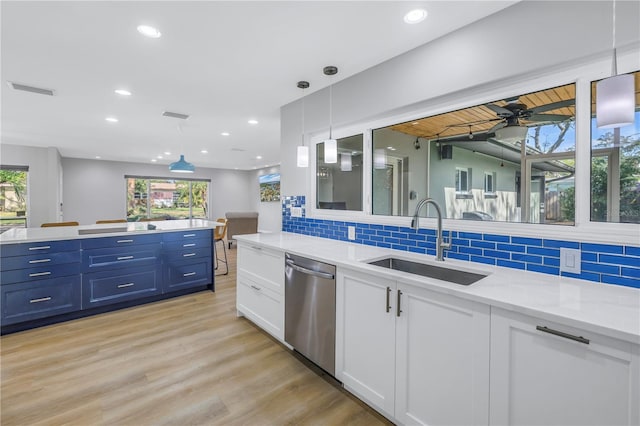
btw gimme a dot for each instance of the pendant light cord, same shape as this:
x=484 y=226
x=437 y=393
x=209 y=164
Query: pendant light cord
x=302 y=118
x=614 y=65
x=330 y=108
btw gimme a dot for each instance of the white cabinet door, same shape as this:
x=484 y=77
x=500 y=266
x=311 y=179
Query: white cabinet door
x=546 y=373
x=442 y=359
x=365 y=338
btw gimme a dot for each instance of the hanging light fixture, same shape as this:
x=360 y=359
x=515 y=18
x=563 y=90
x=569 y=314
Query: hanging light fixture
x=345 y=162
x=181 y=166
x=330 y=145
x=303 y=150
x=379 y=159
x=615 y=96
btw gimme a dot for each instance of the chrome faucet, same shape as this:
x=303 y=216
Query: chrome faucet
x=441 y=246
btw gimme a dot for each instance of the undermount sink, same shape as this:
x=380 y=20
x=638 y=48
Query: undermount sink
x=431 y=271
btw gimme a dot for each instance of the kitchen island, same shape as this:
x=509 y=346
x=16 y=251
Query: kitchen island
x=49 y=275
x=515 y=347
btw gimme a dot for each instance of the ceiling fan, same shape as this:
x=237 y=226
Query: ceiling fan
x=511 y=114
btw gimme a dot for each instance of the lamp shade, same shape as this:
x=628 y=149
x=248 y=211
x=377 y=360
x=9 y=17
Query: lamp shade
x=303 y=156
x=615 y=101
x=181 y=166
x=512 y=134
x=345 y=162
x=330 y=151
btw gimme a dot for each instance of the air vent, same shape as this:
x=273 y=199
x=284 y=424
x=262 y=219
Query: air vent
x=175 y=115
x=31 y=89
x=238 y=149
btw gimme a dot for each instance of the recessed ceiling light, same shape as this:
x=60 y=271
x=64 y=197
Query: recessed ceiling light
x=159 y=157
x=153 y=160
x=98 y=157
x=252 y=121
x=149 y=31
x=204 y=151
x=415 y=16
x=123 y=92
x=167 y=153
x=111 y=119
x=259 y=157
x=225 y=133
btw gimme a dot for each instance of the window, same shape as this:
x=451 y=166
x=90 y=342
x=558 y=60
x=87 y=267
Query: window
x=339 y=185
x=489 y=183
x=161 y=198
x=615 y=168
x=13 y=197
x=462 y=180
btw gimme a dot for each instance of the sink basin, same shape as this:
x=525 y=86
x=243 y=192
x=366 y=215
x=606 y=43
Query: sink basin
x=431 y=271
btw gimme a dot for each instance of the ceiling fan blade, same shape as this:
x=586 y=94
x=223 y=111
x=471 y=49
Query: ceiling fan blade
x=496 y=127
x=552 y=106
x=549 y=117
x=502 y=112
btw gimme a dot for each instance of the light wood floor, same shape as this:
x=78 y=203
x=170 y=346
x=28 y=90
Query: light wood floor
x=184 y=361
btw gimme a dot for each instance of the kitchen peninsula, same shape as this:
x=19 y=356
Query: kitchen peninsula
x=54 y=274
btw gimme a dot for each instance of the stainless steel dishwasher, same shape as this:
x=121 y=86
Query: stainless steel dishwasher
x=310 y=309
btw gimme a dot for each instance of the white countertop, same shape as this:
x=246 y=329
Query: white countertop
x=610 y=310
x=29 y=235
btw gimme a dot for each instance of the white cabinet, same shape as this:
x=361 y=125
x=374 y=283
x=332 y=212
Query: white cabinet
x=260 y=287
x=546 y=373
x=417 y=356
x=442 y=359
x=365 y=338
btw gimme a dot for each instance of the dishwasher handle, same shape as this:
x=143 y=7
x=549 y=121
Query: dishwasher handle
x=309 y=271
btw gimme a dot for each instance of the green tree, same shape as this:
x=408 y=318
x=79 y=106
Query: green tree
x=16 y=180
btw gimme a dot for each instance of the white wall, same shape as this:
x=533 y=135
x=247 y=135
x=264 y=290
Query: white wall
x=95 y=189
x=44 y=193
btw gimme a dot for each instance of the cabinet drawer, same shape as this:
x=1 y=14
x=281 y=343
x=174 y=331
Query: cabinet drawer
x=186 y=254
x=29 y=301
x=121 y=241
x=120 y=256
x=39 y=273
x=188 y=274
x=44 y=259
x=261 y=305
x=23 y=249
x=189 y=235
x=102 y=288
x=263 y=264
x=187 y=244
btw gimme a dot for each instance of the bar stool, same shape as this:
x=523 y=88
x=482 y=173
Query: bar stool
x=111 y=221
x=218 y=236
x=51 y=224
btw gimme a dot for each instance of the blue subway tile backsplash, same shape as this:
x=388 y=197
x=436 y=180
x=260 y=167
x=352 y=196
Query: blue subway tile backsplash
x=605 y=263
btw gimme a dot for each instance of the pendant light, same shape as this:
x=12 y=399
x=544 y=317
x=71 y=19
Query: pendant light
x=181 y=166
x=345 y=162
x=330 y=145
x=303 y=150
x=615 y=96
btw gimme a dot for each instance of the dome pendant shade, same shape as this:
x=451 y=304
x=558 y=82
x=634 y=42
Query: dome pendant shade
x=181 y=166
x=615 y=101
x=303 y=156
x=330 y=151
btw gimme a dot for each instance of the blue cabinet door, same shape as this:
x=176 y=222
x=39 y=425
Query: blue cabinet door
x=182 y=274
x=113 y=286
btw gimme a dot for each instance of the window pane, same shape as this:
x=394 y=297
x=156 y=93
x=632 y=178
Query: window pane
x=161 y=198
x=615 y=168
x=136 y=198
x=13 y=199
x=339 y=185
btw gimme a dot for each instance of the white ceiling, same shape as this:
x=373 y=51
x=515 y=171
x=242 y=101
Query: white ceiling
x=221 y=62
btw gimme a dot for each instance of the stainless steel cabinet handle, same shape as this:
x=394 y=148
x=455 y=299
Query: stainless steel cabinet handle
x=189 y=245
x=309 y=271
x=188 y=254
x=562 y=334
x=42 y=299
x=256 y=248
x=256 y=288
x=188 y=274
x=388 y=299
x=40 y=248
x=398 y=310
x=125 y=285
x=39 y=274
x=124 y=241
x=125 y=257
x=189 y=235
x=40 y=261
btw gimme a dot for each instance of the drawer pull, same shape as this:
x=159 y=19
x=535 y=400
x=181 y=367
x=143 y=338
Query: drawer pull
x=256 y=248
x=125 y=285
x=398 y=310
x=189 y=235
x=188 y=254
x=256 y=288
x=39 y=274
x=188 y=274
x=189 y=245
x=125 y=257
x=40 y=248
x=42 y=299
x=124 y=241
x=562 y=334
x=40 y=261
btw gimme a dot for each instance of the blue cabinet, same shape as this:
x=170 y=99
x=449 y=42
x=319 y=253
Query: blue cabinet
x=113 y=286
x=188 y=259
